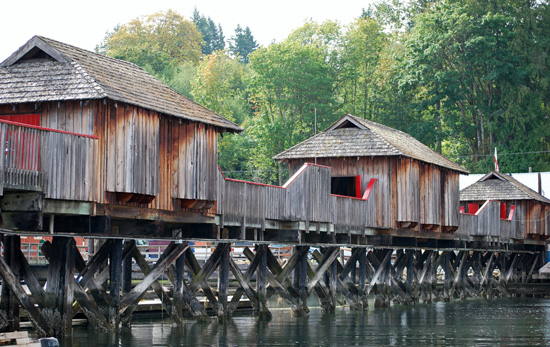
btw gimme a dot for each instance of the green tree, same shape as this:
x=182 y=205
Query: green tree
x=465 y=63
x=362 y=46
x=158 y=42
x=221 y=85
x=291 y=80
x=242 y=44
x=212 y=34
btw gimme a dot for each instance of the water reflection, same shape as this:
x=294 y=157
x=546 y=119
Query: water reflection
x=511 y=322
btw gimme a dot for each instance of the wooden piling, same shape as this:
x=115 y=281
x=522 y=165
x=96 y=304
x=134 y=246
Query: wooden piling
x=115 y=276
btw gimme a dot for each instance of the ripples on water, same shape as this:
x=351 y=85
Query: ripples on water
x=507 y=322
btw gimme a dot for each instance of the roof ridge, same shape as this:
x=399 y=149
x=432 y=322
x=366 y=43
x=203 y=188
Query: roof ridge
x=118 y=80
x=87 y=52
x=89 y=78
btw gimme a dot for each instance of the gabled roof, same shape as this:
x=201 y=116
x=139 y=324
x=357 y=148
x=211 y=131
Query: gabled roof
x=47 y=70
x=351 y=136
x=499 y=186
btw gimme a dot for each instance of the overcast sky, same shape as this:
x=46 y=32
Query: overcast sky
x=84 y=24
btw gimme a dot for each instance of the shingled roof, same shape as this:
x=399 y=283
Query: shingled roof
x=351 y=136
x=47 y=70
x=499 y=186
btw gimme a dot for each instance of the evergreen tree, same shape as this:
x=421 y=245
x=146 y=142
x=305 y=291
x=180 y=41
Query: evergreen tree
x=212 y=34
x=242 y=44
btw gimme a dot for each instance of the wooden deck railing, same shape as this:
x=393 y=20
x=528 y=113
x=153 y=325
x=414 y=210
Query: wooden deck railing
x=487 y=222
x=58 y=163
x=304 y=198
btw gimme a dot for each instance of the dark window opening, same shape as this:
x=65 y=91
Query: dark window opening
x=346 y=186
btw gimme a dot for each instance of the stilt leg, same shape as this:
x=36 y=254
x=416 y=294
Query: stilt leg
x=115 y=262
x=9 y=307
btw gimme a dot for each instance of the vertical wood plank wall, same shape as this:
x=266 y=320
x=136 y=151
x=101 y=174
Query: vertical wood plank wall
x=406 y=191
x=132 y=151
x=137 y=151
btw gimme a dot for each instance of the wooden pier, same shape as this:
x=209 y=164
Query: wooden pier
x=99 y=149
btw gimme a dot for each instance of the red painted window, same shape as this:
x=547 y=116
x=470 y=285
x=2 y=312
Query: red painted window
x=22 y=146
x=503 y=210
x=472 y=208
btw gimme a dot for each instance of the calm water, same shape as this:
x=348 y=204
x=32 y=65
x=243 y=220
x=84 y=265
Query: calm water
x=508 y=322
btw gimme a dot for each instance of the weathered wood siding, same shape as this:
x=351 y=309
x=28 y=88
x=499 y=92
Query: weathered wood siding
x=487 y=222
x=68 y=164
x=137 y=152
x=193 y=159
x=249 y=203
x=314 y=182
x=71 y=116
x=408 y=191
x=529 y=220
x=430 y=194
x=132 y=160
x=532 y=217
x=450 y=201
x=380 y=168
x=59 y=164
x=178 y=159
x=305 y=198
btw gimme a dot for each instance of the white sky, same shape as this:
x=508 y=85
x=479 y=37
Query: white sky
x=84 y=24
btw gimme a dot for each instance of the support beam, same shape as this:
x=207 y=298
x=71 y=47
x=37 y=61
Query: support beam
x=9 y=306
x=261 y=282
x=300 y=278
x=59 y=292
x=39 y=321
x=223 y=282
x=115 y=274
x=130 y=301
x=157 y=287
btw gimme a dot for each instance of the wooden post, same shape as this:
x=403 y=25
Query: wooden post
x=411 y=275
x=261 y=282
x=300 y=278
x=9 y=306
x=448 y=276
x=127 y=275
x=332 y=278
x=223 y=283
x=177 y=302
x=115 y=263
x=59 y=293
x=363 y=277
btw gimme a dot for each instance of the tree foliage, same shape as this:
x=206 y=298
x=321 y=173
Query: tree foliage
x=462 y=76
x=212 y=34
x=465 y=61
x=159 y=42
x=242 y=44
x=293 y=80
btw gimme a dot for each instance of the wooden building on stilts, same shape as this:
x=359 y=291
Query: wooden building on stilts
x=416 y=188
x=499 y=199
x=95 y=147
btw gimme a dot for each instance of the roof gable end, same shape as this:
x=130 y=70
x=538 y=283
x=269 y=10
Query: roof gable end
x=346 y=122
x=492 y=175
x=31 y=49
